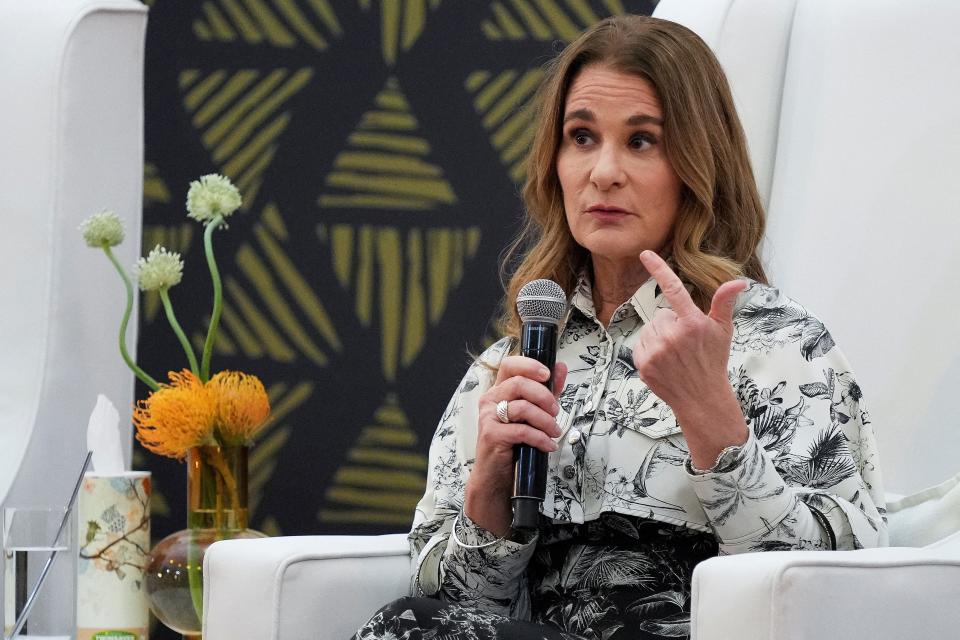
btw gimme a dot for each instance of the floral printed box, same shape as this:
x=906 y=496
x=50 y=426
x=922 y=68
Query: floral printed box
x=114 y=542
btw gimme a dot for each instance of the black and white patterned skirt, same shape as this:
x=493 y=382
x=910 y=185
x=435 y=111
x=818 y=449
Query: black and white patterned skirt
x=615 y=578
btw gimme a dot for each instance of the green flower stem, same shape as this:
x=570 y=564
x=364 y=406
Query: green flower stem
x=168 y=307
x=137 y=371
x=223 y=485
x=194 y=575
x=226 y=480
x=217 y=297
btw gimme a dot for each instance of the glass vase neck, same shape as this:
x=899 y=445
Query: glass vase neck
x=217 y=488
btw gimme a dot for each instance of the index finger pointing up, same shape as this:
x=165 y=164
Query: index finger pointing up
x=670 y=284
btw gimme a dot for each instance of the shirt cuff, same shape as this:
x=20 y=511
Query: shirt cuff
x=728 y=460
x=746 y=500
x=470 y=533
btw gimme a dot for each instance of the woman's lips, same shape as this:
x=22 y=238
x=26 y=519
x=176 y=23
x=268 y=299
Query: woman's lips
x=604 y=211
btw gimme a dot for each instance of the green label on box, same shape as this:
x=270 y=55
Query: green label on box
x=114 y=635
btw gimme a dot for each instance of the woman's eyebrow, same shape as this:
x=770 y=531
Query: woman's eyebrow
x=579 y=114
x=644 y=119
x=588 y=116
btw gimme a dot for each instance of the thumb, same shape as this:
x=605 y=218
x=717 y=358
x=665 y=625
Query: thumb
x=725 y=299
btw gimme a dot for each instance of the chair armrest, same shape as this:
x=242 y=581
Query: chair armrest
x=291 y=588
x=856 y=595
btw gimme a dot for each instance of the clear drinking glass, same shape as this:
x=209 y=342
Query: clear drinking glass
x=31 y=538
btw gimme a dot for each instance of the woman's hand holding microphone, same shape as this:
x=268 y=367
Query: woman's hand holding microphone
x=531 y=412
x=682 y=355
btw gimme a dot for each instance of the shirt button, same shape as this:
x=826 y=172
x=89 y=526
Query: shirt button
x=569 y=472
x=574 y=436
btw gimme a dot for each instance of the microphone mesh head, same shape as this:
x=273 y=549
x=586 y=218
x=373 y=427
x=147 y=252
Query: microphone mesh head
x=542 y=300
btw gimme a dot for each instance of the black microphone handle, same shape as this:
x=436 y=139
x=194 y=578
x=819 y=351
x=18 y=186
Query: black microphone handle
x=538 y=340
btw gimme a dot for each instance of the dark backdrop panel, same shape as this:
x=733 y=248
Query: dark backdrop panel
x=378 y=145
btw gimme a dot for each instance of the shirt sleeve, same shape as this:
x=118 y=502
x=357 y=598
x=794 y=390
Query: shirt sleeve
x=474 y=567
x=808 y=476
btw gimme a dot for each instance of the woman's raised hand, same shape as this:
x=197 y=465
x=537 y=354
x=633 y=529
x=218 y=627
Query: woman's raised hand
x=682 y=356
x=532 y=412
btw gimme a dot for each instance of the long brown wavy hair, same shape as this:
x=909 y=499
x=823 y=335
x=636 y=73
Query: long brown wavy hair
x=720 y=222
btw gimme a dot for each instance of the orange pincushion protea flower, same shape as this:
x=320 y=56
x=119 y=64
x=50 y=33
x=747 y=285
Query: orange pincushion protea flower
x=177 y=416
x=242 y=406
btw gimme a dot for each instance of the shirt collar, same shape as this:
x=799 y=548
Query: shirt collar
x=644 y=301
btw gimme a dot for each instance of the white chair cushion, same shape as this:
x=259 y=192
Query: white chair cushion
x=301 y=587
x=863 y=219
x=875 y=594
x=925 y=517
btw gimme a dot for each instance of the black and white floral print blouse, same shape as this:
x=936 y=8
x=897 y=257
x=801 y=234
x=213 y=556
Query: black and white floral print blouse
x=807 y=477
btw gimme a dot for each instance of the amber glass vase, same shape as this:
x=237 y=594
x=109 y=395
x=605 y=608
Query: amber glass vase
x=216 y=510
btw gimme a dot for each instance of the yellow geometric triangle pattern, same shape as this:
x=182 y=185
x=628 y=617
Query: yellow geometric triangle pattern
x=272 y=311
x=279 y=23
x=408 y=275
x=155 y=190
x=544 y=19
x=385 y=164
x=264 y=457
x=504 y=102
x=383 y=476
x=401 y=24
x=239 y=118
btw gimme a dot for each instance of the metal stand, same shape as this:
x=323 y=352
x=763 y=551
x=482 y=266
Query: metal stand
x=20 y=587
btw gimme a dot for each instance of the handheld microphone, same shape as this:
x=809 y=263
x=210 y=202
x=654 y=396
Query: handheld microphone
x=541 y=305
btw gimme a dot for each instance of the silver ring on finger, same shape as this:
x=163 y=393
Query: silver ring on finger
x=503 y=411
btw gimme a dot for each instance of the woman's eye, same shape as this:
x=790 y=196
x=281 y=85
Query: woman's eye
x=580 y=136
x=640 y=141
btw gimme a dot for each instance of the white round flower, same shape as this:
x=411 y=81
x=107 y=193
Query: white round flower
x=161 y=269
x=210 y=196
x=104 y=229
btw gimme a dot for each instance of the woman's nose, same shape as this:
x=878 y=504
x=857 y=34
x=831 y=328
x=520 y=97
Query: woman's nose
x=607 y=171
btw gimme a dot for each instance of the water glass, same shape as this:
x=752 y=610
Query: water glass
x=31 y=538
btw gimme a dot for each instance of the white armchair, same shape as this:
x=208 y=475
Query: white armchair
x=850 y=108
x=325 y=587
x=71 y=143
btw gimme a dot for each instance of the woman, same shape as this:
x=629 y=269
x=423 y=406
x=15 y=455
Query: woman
x=698 y=410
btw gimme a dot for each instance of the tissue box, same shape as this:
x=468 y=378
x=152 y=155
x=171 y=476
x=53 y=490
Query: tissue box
x=114 y=541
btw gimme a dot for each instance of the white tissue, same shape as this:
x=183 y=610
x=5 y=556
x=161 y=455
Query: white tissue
x=104 y=438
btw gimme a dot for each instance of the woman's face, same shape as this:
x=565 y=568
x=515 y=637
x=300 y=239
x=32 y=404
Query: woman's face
x=620 y=193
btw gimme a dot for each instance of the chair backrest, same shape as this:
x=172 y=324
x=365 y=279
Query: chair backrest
x=851 y=108
x=71 y=143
